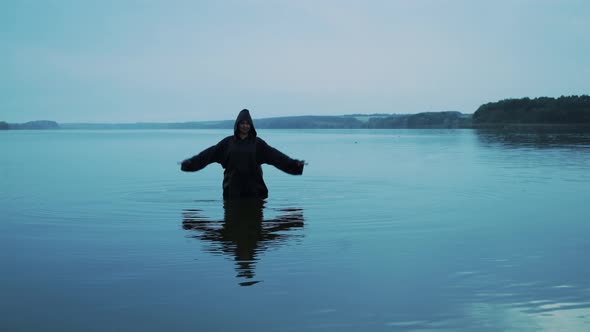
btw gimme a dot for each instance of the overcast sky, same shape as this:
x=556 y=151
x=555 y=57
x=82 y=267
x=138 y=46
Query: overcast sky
x=169 y=61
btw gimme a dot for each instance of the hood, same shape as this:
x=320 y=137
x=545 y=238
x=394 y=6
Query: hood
x=244 y=115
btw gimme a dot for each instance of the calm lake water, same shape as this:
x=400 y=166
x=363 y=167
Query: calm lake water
x=388 y=230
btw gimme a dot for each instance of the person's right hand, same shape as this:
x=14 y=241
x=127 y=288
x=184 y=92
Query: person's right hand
x=185 y=164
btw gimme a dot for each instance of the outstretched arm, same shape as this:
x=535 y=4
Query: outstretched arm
x=269 y=155
x=210 y=155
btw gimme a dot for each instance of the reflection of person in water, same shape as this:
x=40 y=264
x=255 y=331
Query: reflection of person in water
x=241 y=156
x=243 y=233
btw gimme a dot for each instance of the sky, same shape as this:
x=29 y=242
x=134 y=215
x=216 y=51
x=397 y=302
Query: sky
x=173 y=61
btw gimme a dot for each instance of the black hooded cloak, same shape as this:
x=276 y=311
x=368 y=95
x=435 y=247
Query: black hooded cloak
x=241 y=159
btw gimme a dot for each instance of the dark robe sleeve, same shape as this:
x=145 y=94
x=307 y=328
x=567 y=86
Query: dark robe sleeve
x=208 y=156
x=269 y=155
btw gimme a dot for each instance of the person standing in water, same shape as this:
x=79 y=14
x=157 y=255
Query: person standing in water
x=241 y=156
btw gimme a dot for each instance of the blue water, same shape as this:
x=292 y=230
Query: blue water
x=388 y=230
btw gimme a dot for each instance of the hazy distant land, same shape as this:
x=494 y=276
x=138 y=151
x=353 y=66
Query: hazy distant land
x=544 y=111
x=354 y=121
x=39 y=124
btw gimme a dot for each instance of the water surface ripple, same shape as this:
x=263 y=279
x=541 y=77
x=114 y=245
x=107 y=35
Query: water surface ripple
x=387 y=230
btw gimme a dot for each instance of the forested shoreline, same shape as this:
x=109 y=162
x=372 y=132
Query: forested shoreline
x=565 y=111
x=544 y=110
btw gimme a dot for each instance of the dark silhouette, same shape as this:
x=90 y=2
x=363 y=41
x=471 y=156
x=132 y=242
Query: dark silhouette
x=241 y=156
x=243 y=233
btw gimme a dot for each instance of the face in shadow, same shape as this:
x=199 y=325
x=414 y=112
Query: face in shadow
x=244 y=233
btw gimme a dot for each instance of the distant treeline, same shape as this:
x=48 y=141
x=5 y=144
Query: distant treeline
x=422 y=120
x=547 y=111
x=294 y=122
x=41 y=124
x=544 y=110
x=309 y=122
x=373 y=121
x=355 y=121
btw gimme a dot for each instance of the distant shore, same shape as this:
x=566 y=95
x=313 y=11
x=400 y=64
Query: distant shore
x=31 y=125
x=571 y=112
x=431 y=120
